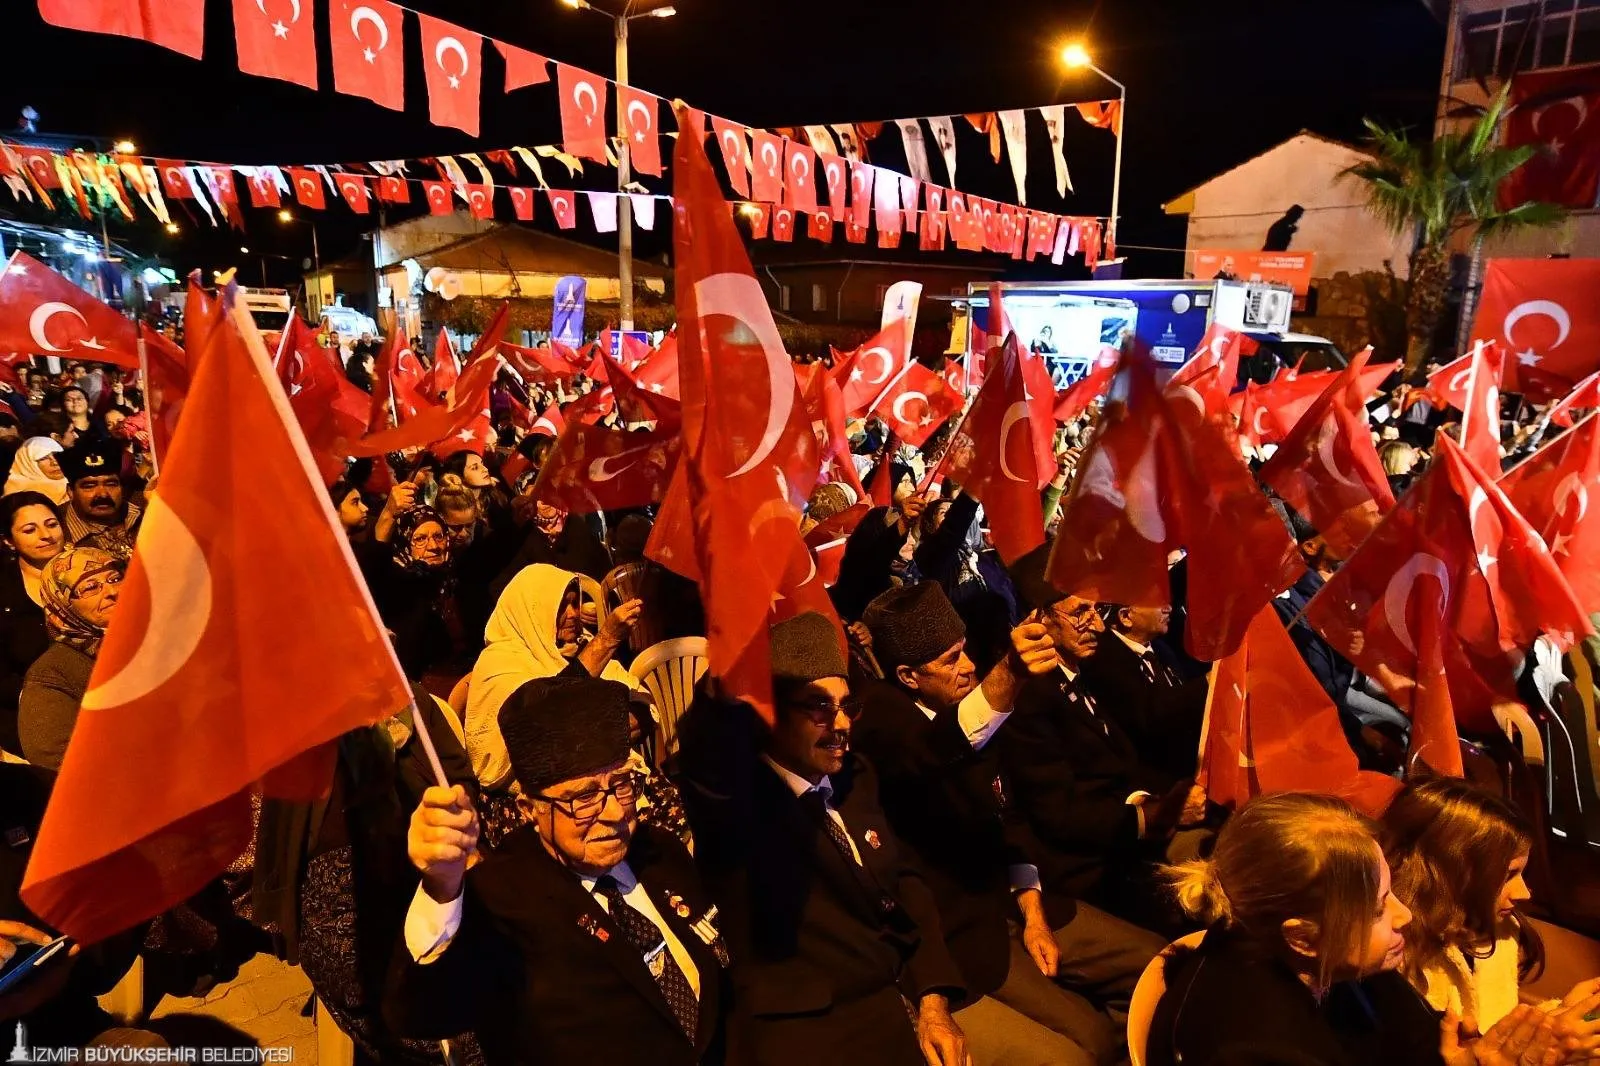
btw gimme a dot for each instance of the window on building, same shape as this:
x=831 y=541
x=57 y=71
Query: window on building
x=819 y=298
x=783 y=297
x=1523 y=36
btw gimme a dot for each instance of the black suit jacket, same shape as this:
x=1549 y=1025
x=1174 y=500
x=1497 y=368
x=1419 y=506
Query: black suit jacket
x=1161 y=717
x=543 y=975
x=22 y=640
x=1071 y=771
x=823 y=949
x=948 y=804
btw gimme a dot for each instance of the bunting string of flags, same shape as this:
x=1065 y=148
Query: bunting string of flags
x=368 y=60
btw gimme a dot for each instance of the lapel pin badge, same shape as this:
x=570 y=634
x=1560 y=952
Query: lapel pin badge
x=873 y=840
x=591 y=925
x=679 y=907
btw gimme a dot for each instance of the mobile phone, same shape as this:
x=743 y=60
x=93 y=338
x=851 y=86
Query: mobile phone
x=27 y=960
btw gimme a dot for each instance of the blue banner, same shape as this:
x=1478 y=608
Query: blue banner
x=566 y=323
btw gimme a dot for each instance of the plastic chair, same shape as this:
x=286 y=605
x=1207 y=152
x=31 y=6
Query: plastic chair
x=1147 y=993
x=636 y=580
x=669 y=671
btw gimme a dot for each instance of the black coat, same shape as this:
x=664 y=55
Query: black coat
x=1161 y=716
x=1071 y=772
x=22 y=640
x=869 y=558
x=823 y=950
x=1227 y=1006
x=947 y=804
x=543 y=975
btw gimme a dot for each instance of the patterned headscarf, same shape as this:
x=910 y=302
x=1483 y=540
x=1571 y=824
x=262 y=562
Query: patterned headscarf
x=405 y=525
x=63 y=574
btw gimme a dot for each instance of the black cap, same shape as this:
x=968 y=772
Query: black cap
x=912 y=625
x=807 y=648
x=560 y=728
x=91 y=459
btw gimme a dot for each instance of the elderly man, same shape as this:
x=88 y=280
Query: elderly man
x=585 y=937
x=1133 y=681
x=99 y=516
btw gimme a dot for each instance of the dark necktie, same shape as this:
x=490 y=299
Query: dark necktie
x=818 y=805
x=651 y=944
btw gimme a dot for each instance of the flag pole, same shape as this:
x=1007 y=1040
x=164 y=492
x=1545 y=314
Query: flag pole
x=144 y=381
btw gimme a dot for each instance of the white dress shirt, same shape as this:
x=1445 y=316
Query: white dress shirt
x=431 y=926
x=800 y=786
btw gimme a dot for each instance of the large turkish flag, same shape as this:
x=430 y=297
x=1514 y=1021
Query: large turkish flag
x=1544 y=314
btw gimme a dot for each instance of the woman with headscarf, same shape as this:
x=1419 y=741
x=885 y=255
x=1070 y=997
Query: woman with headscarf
x=79 y=589
x=415 y=594
x=36 y=469
x=31 y=529
x=537 y=630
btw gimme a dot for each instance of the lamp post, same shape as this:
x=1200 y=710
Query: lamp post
x=287 y=218
x=1077 y=57
x=624 y=166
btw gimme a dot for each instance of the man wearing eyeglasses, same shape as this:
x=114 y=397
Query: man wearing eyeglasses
x=1131 y=681
x=585 y=937
x=838 y=954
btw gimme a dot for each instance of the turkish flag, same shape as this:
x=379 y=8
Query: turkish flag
x=446 y=368
x=307 y=187
x=1542 y=313
x=995 y=462
x=264 y=188
x=642 y=129
x=1447 y=386
x=800 y=177
x=820 y=227
x=875 y=366
x=583 y=112
x=825 y=409
x=480 y=200
x=750 y=457
x=659 y=373
x=1440 y=647
x=933 y=221
x=176 y=24
x=467 y=403
x=521 y=202
x=760 y=218
x=1480 y=413
x=549 y=423
x=917 y=404
x=1552 y=489
x=174 y=179
x=1557 y=112
x=1584 y=396
x=592 y=468
x=538 y=365
x=564 y=207
x=331 y=410
x=886 y=205
x=1327 y=468
x=766 y=159
x=636 y=403
x=735 y=154
x=804 y=588
x=1041 y=396
x=384 y=407
x=353 y=187
x=368 y=57
x=188 y=702
x=861 y=175
x=523 y=68
x=783 y=224
x=393 y=190
x=1286 y=399
x=1219 y=348
x=167 y=373
x=1249 y=416
x=1158 y=477
x=438 y=195
x=43 y=313
x=408 y=380
x=1271 y=728
x=451 y=59
x=1076 y=398
x=838 y=181
x=275 y=41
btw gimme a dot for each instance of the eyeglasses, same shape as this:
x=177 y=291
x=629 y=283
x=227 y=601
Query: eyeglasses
x=1083 y=617
x=94 y=586
x=424 y=540
x=587 y=805
x=826 y=712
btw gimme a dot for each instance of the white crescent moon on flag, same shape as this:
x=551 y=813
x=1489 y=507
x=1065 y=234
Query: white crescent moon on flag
x=40 y=320
x=1397 y=597
x=800 y=167
x=1144 y=502
x=366 y=14
x=1014 y=414
x=308 y=184
x=887 y=359
x=730 y=144
x=1187 y=394
x=1577 y=103
x=1571 y=485
x=180 y=609
x=646 y=124
x=1325 y=456
x=727 y=295
x=580 y=90
x=446 y=46
x=769 y=157
x=1458 y=379
x=900 y=414
x=601 y=469
x=261 y=6
x=1549 y=309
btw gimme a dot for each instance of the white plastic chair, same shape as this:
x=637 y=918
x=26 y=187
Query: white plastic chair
x=669 y=671
x=1147 y=993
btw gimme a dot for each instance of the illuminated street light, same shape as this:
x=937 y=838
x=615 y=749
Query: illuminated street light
x=172 y=227
x=125 y=148
x=1076 y=56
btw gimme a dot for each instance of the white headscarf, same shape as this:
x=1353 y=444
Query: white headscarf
x=28 y=476
x=520 y=646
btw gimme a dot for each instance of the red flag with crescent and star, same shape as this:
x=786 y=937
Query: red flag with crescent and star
x=735 y=154
x=43 y=313
x=825 y=407
x=917 y=404
x=1076 y=398
x=1585 y=395
x=1435 y=602
x=766 y=166
x=993 y=456
x=452 y=60
x=592 y=468
x=460 y=418
x=637 y=403
x=659 y=372
x=1558 y=112
x=1327 y=468
x=583 y=112
x=1480 y=410
x=307 y=188
x=1447 y=386
x=641 y=126
x=277 y=39
x=1553 y=489
x=331 y=409
x=750 y=457
x=368 y=52
x=176 y=24
x=1542 y=313
x=875 y=367
x=167 y=374
x=446 y=368
x=183 y=717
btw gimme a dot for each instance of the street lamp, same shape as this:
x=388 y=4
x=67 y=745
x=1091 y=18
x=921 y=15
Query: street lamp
x=172 y=228
x=624 y=164
x=287 y=218
x=124 y=147
x=1076 y=57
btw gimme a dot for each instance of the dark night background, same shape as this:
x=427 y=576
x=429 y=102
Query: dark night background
x=1210 y=83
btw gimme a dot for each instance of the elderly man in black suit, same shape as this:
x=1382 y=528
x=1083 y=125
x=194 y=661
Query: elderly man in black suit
x=586 y=936
x=838 y=954
x=928 y=727
x=1135 y=685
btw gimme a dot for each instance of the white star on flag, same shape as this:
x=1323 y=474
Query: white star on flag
x=467 y=435
x=369 y=55
x=1529 y=358
x=280 y=30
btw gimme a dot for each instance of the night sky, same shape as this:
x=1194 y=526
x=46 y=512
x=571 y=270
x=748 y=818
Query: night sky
x=1210 y=82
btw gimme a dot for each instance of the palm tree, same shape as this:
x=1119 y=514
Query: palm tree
x=1437 y=190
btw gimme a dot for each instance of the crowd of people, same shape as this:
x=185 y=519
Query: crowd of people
x=970 y=828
